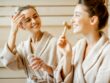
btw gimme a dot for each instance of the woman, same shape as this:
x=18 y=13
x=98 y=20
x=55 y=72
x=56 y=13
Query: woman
x=88 y=61
x=37 y=55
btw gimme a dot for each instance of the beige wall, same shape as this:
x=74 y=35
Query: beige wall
x=52 y=12
x=109 y=19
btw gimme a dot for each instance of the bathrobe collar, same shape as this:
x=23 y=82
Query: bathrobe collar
x=83 y=66
x=94 y=53
x=41 y=46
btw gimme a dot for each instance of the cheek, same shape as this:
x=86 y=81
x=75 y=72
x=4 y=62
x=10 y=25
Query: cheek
x=27 y=25
x=23 y=25
x=85 y=26
x=84 y=22
x=39 y=21
x=79 y=21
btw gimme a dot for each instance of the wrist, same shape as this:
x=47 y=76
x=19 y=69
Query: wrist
x=48 y=69
x=13 y=33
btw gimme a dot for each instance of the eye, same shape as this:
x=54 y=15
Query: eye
x=35 y=16
x=77 y=14
x=27 y=20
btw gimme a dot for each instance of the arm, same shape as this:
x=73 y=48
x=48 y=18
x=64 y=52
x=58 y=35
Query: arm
x=64 y=70
x=15 y=24
x=10 y=57
x=67 y=65
x=66 y=49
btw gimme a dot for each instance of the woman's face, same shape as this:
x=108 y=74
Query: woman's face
x=81 y=20
x=31 y=21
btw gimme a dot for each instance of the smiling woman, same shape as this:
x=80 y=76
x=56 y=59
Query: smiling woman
x=88 y=61
x=40 y=47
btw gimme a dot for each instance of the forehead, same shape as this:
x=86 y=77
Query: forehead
x=80 y=8
x=29 y=11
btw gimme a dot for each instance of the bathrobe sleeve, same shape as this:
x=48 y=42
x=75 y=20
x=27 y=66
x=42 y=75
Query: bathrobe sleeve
x=103 y=75
x=12 y=59
x=58 y=72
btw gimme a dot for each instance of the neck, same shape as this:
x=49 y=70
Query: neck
x=37 y=36
x=92 y=38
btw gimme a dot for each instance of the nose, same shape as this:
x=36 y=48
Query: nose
x=33 y=20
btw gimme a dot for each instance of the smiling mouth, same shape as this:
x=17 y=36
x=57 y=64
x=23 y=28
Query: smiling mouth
x=36 y=25
x=75 y=26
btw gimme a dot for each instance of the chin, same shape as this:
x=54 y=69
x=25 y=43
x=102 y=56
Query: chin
x=76 y=33
x=36 y=30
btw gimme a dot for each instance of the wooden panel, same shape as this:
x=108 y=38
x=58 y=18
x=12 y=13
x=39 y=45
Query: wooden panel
x=37 y=2
x=12 y=80
x=0 y=62
x=109 y=16
x=43 y=11
x=109 y=20
x=108 y=2
x=46 y=21
x=7 y=73
x=109 y=9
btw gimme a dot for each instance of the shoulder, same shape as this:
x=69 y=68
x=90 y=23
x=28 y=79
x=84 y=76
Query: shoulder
x=106 y=50
x=107 y=47
x=52 y=39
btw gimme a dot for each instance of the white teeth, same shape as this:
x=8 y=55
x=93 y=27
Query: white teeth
x=75 y=26
x=35 y=25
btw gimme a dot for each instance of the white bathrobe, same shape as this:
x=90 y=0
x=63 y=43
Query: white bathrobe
x=46 y=50
x=95 y=68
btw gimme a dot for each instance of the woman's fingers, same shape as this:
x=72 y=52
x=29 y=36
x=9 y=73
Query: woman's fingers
x=62 y=41
x=16 y=20
x=36 y=63
x=19 y=19
x=35 y=58
x=37 y=66
x=14 y=16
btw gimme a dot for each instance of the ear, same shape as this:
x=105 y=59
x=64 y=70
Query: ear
x=93 y=20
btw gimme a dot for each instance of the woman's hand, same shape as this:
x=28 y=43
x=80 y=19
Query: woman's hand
x=63 y=45
x=38 y=64
x=16 y=22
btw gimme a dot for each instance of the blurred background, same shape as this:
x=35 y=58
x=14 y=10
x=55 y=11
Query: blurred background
x=53 y=13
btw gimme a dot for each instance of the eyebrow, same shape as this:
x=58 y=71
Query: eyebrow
x=36 y=14
x=33 y=15
x=76 y=12
x=26 y=18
